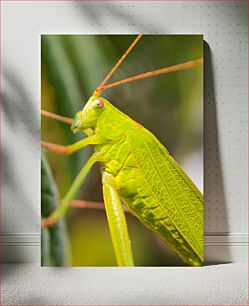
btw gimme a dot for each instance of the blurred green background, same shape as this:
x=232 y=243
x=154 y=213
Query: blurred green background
x=170 y=106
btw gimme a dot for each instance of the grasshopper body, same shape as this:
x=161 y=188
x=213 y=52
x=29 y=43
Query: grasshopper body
x=137 y=171
x=147 y=179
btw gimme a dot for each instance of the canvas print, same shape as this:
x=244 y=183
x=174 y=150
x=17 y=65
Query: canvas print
x=122 y=150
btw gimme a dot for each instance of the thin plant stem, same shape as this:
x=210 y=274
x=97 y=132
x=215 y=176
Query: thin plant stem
x=56 y=117
x=85 y=204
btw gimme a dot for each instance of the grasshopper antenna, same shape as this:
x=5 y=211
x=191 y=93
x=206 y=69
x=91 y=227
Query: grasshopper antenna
x=165 y=70
x=101 y=86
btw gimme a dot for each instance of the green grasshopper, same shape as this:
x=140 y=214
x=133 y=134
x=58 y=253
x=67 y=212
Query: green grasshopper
x=137 y=171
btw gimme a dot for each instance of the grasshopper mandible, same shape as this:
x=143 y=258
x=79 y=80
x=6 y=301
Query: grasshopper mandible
x=137 y=171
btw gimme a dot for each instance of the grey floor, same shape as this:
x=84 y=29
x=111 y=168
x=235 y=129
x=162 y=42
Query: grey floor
x=29 y=284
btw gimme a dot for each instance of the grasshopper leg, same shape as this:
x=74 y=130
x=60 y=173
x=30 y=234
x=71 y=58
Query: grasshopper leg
x=66 y=202
x=67 y=150
x=117 y=222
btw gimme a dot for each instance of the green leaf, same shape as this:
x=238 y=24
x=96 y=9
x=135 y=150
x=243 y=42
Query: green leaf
x=68 y=91
x=54 y=240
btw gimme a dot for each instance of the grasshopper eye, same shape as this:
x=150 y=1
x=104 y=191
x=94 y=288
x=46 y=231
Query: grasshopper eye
x=98 y=103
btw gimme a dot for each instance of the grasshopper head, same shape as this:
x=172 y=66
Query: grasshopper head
x=88 y=117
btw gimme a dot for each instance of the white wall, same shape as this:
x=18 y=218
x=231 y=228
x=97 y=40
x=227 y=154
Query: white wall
x=224 y=25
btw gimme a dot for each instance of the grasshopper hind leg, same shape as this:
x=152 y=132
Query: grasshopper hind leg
x=117 y=222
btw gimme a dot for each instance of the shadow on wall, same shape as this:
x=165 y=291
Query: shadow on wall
x=19 y=116
x=89 y=12
x=215 y=208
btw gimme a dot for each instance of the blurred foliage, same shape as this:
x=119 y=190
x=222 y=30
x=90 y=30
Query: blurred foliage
x=170 y=106
x=54 y=246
